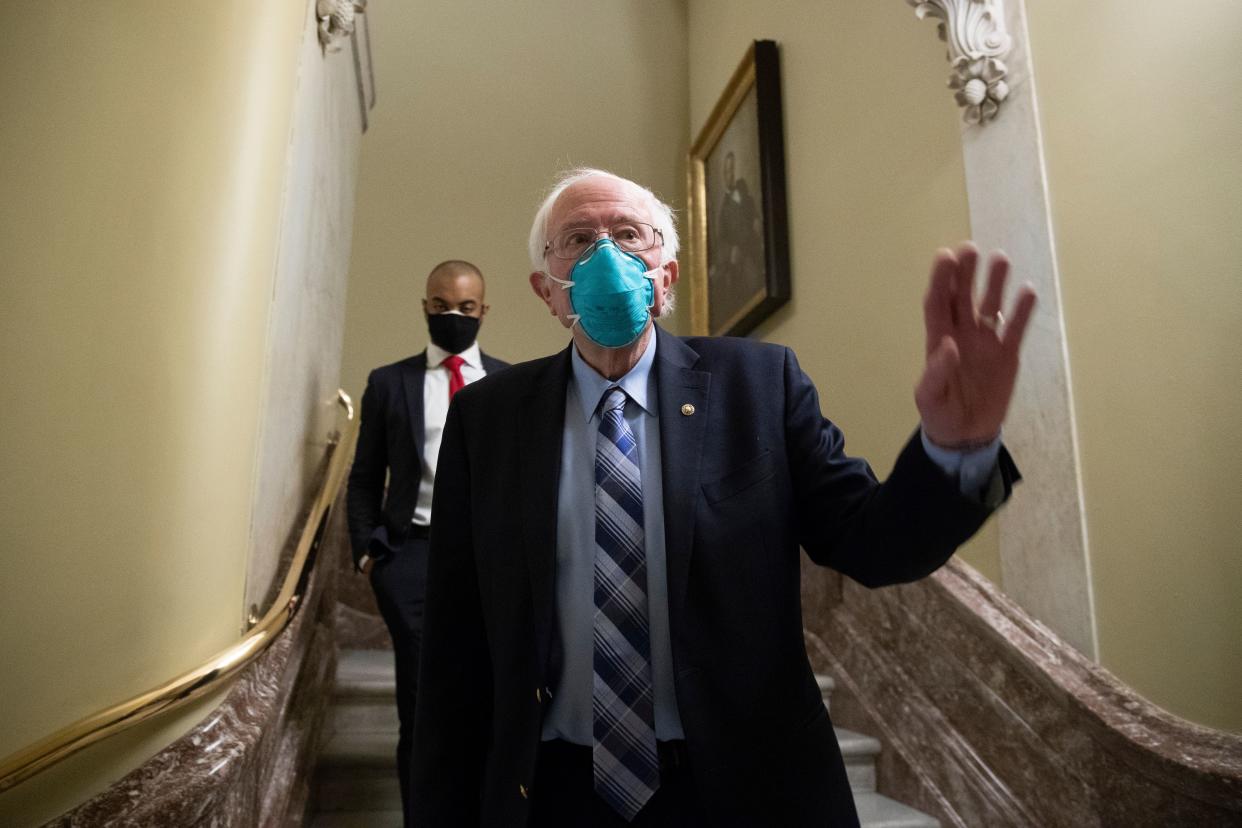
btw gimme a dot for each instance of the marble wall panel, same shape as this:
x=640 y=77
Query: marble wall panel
x=359 y=625
x=985 y=711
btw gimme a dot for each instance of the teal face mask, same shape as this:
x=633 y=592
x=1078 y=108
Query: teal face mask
x=611 y=293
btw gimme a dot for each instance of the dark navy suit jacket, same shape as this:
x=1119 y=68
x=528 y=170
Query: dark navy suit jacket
x=752 y=474
x=390 y=447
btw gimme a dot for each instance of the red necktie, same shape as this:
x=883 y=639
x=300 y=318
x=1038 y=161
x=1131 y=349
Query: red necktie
x=457 y=382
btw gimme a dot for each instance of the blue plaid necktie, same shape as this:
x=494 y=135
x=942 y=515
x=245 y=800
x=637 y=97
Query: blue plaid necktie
x=627 y=770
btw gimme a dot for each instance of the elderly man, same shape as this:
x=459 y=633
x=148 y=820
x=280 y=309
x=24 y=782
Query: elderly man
x=613 y=633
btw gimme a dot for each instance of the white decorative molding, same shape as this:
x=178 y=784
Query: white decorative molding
x=336 y=21
x=1045 y=556
x=975 y=33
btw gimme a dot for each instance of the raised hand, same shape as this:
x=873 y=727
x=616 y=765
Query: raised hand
x=972 y=353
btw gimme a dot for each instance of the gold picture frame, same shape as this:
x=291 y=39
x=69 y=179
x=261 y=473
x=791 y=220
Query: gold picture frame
x=739 y=244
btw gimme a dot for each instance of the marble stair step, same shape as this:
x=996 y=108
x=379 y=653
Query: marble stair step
x=358 y=819
x=859 y=752
x=826 y=686
x=877 y=811
x=346 y=790
x=364 y=698
x=360 y=749
x=376 y=749
x=365 y=674
x=369 y=675
x=358 y=772
x=362 y=718
x=357 y=783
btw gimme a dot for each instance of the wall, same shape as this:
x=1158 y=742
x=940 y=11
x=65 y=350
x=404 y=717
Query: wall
x=479 y=105
x=143 y=158
x=1142 y=112
x=875 y=185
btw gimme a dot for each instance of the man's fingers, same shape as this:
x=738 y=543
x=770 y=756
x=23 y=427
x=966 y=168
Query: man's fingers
x=964 y=284
x=998 y=273
x=937 y=303
x=1015 y=330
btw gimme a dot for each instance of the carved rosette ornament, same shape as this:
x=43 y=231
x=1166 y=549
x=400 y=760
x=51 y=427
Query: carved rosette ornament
x=975 y=33
x=336 y=21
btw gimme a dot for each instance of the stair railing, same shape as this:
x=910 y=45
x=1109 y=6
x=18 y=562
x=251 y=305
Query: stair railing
x=213 y=673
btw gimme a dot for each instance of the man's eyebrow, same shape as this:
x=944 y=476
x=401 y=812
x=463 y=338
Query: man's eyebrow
x=613 y=218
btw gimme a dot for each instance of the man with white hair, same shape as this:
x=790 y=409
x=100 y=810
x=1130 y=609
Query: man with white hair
x=613 y=630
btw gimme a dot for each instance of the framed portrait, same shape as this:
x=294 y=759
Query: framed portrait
x=739 y=236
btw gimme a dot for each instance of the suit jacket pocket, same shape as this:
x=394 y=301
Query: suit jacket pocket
x=751 y=473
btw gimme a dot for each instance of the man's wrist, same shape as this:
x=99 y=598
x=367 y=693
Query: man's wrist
x=962 y=446
x=971 y=468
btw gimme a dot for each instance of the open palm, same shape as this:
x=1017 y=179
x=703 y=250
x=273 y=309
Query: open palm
x=972 y=352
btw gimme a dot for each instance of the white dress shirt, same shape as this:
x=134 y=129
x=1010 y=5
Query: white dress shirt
x=435 y=411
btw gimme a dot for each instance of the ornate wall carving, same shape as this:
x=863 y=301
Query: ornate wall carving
x=336 y=21
x=975 y=33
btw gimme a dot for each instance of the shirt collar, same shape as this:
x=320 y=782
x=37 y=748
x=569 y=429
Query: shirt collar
x=472 y=355
x=636 y=382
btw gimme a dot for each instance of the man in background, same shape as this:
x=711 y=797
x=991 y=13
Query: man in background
x=403 y=412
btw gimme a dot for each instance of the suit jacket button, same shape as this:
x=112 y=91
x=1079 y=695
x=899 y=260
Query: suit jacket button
x=687 y=409
x=523 y=792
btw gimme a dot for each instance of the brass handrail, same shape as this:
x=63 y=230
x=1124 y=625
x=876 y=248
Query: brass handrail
x=38 y=756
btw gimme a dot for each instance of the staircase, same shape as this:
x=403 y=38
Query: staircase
x=355 y=783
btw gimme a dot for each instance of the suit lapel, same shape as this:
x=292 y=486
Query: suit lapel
x=684 y=399
x=491 y=365
x=541 y=423
x=413 y=377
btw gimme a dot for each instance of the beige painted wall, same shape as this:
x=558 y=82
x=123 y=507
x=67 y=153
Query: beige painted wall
x=479 y=104
x=1142 y=113
x=875 y=185
x=142 y=162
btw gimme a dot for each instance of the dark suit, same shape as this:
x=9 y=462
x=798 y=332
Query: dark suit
x=390 y=446
x=752 y=473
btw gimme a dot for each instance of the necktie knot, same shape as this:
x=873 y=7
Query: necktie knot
x=614 y=400
x=453 y=362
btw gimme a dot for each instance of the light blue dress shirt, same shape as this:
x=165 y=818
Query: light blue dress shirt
x=570 y=716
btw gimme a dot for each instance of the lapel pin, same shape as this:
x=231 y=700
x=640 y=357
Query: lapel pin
x=687 y=409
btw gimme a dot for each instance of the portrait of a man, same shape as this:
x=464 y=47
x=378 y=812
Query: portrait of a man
x=735 y=230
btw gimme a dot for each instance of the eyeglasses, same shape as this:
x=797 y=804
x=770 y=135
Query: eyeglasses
x=630 y=236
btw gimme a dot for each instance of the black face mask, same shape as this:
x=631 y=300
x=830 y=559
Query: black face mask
x=453 y=332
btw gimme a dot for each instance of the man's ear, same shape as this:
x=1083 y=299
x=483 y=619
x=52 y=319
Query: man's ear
x=671 y=273
x=539 y=284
